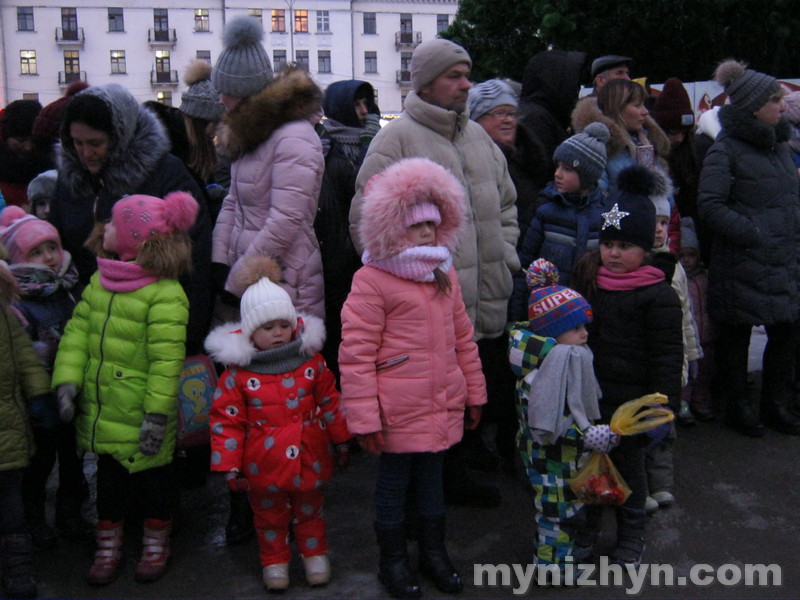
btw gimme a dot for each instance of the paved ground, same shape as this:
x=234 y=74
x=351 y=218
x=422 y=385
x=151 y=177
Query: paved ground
x=737 y=503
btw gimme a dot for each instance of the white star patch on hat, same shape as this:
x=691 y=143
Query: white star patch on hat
x=613 y=217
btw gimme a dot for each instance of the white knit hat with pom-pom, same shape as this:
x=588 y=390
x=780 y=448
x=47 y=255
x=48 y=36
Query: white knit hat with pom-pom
x=263 y=300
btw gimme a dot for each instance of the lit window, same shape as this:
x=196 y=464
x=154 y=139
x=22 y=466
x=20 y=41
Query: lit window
x=201 y=20
x=27 y=62
x=301 y=21
x=118 y=62
x=256 y=13
x=279 y=20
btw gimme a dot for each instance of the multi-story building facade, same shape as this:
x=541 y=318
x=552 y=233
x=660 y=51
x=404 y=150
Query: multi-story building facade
x=46 y=45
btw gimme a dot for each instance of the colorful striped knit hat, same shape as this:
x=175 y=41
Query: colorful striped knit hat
x=553 y=309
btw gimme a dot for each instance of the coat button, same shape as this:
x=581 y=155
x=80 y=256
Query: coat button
x=119 y=373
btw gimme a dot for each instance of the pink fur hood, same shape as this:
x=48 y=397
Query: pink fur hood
x=390 y=193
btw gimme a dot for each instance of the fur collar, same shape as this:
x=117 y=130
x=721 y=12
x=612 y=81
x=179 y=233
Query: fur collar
x=743 y=126
x=227 y=345
x=293 y=96
x=587 y=112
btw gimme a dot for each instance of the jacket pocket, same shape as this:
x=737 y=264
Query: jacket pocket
x=391 y=363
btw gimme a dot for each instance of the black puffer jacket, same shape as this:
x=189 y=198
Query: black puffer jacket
x=636 y=338
x=748 y=197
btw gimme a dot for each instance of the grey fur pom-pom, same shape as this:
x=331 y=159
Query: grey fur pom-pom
x=242 y=31
x=598 y=131
x=729 y=71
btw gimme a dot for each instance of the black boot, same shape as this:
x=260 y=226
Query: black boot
x=395 y=569
x=777 y=414
x=18 y=574
x=434 y=562
x=240 y=519
x=629 y=548
x=740 y=416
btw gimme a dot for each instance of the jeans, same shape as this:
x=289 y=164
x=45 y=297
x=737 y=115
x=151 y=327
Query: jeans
x=396 y=472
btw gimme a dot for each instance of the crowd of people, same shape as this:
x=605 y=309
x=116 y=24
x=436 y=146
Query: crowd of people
x=478 y=285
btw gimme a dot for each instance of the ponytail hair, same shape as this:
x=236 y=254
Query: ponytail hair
x=442 y=281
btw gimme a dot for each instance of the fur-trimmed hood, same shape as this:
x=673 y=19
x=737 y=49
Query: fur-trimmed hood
x=293 y=96
x=389 y=194
x=587 y=112
x=138 y=141
x=741 y=125
x=227 y=344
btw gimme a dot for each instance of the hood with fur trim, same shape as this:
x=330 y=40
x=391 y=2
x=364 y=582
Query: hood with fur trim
x=139 y=140
x=389 y=194
x=293 y=96
x=227 y=344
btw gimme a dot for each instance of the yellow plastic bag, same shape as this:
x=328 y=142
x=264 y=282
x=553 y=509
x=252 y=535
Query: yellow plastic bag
x=599 y=482
x=640 y=415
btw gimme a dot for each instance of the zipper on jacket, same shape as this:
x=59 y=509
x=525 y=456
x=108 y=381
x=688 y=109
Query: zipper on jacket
x=391 y=362
x=99 y=366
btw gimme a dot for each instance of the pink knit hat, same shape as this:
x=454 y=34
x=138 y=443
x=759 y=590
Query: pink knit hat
x=424 y=211
x=138 y=218
x=21 y=233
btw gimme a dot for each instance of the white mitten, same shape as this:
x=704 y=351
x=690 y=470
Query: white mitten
x=600 y=438
x=151 y=435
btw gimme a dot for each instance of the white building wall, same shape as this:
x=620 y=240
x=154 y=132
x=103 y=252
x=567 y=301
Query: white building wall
x=345 y=41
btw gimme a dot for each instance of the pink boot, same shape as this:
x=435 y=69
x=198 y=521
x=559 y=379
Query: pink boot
x=108 y=556
x=155 y=551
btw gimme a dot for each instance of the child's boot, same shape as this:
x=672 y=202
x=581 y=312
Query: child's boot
x=394 y=570
x=631 y=525
x=155 y=550
x=276 y=577
x=318 y=569
x=434 y=562
x=18 y=573
x=108 y=555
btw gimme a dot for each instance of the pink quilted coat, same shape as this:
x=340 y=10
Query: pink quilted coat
x=409 y=364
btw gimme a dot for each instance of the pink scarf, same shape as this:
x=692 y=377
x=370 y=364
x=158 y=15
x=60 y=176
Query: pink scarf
x=416 y=264
x=119 y=276
x=616 y=282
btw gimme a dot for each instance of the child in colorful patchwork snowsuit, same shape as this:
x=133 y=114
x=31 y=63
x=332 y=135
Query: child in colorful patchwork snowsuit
x=274 y=417
x=557 y=402
x=49 y=291
x=119 y=364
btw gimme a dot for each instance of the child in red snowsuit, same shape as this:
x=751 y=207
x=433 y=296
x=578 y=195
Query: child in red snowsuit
x=274 y=417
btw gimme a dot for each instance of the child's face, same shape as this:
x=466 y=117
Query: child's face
x=272 y=334
x=110 y=237
x=42 y=209
x=566 y=179
x=662 y=225
x=47 y=254
x=689 y=258
x=422 y=233
x=576 y=336
x=621 y=257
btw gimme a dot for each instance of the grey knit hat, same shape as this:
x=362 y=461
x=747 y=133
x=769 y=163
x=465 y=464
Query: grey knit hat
x=586 y=153
x=430 y=59
x=490 y=94
x=243 y=69
x=201 y=100
x=747 y=89
x=43 y=186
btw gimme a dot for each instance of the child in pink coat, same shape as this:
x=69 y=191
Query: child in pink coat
x=274 y=417
x=409 y=364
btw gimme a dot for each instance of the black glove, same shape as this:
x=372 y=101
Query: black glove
x=219 y=275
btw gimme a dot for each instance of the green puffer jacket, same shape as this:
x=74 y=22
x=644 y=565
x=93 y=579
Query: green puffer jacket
x=125 y=351
x=21 y=378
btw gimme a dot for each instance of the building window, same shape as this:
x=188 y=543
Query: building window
x=116 y=21
x=279 y=20
x=203 y=55
x=25 y=18
x=69 y=23
x=301 y=21
x=164 y=97
x=27 y=62
x=323 y=61
x=118 y=62
x=72 y=66
x=278 y=60
x=405 y=60
x=369 y=23
x=160 y=19
x=256 y=13
x=442 y=23
x=301 y=59
x=323 y=21
x=370 y=61
x=201 y=20
x=163 y=74
x=406 y=23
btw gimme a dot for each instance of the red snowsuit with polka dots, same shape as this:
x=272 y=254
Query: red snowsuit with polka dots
x=277 y=430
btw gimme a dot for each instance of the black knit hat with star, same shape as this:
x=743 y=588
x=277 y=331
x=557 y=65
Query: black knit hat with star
x=628 y=214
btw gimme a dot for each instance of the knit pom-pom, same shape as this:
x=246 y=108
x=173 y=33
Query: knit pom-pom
x=180 y=210
x=11 y=214
x=637 y=179
x=598 y=130
x=242 y=31
x=541 y=273
x=198 y=70
x=252 y=268
x=729 y=71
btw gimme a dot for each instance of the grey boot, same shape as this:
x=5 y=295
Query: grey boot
x=18 y=573
x=631 y=525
